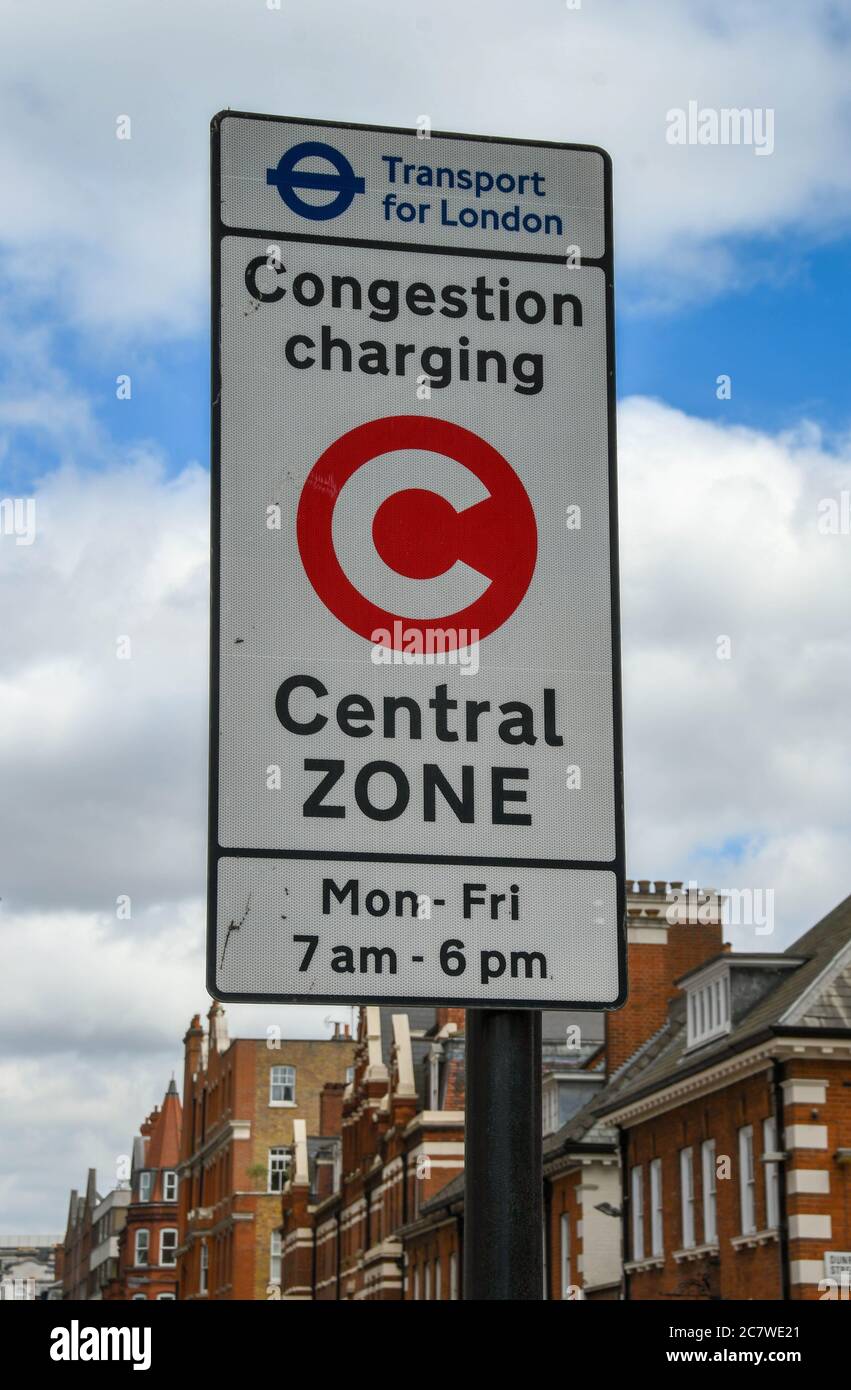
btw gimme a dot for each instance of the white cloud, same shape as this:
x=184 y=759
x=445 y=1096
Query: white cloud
x=118 y=554
x=736 y=769
x=112 y=233
x=90 y=1034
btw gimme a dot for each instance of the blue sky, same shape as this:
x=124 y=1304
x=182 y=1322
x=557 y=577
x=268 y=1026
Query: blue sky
x=783 y=340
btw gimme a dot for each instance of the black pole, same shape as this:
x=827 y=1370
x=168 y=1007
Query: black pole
x=503 y=1183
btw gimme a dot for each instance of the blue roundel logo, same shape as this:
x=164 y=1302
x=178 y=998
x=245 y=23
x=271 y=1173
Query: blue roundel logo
x=287 y=177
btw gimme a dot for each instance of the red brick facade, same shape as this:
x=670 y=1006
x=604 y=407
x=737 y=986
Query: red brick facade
x=659 y=951
x=740 y=1264
x=395 y=1155
x=735 y=1128
x=147 y=1261
x=238 y=1124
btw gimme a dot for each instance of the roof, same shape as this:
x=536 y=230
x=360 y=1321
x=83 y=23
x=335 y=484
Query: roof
x=446 y=1197
x=163 y=1147
x=583 y=1131
x=814 y=995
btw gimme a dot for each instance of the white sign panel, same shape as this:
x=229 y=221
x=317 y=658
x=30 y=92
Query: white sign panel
x=837 y=1265
x=415 y=754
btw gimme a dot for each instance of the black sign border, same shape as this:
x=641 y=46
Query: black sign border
x=219 y=230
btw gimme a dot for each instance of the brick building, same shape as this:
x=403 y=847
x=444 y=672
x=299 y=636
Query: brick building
x=76 y=1245
x=735 y=1127
x=147 y=1245
x=401 y=1155
x=90 y=1246
x=582 y=1247
x=402 y=1139
x=582 y=1182
x=241 y=1100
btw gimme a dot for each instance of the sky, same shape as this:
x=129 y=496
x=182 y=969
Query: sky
x=728 y=263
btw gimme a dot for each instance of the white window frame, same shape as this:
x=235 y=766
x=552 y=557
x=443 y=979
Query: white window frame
x=283 y=1078
x=434 y=1079
x=710 y=1199
x=687 y=1197
x=146 y=1185
x=204 y=1269
x=139 y=1245
x=169 y=1185
x=657 y=1224
x=139 y=1298
x=772 y=1176
x=708 y=1014
x=453 y=1276
x=747 y=1204
x=564 y=1252
x=438 y=1279
x=276 y=1256
x=427 y=1281
x=636 y=1185
x=416 y=1283
x=168 y=1231
x=279 y=1153
x=166 y=1297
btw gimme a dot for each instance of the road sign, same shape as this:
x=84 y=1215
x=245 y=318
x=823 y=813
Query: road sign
x=416 y=786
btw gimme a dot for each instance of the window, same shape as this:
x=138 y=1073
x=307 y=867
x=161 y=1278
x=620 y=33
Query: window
x=550 y=1107
x=708 y=1175
x=434 y=1080
x=145 y=1186
x=746 y=1184
x=453 y=1276
x=438 y=1280
x=279 y=1162
x=139 y=1298
x=165 y=1298
x=427 y=1281
x=168 y=1246
x=687 y=1196
x=275 y=1257
x=564 y=1228
x=282 y=1086
x=416 y=1283
x=204 y=1268
x=772 y=1187
x=637 y=1188
x=143 y=1242
x=708 y=1010
x=169 y=1186
x=657 y=1245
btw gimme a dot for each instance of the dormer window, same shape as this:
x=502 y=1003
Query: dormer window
x=708 y=1006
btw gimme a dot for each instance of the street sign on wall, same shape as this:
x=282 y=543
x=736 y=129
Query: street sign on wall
x=416 y=778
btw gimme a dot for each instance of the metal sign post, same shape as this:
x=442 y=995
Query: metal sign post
x=503 y=1185
x=415 y=755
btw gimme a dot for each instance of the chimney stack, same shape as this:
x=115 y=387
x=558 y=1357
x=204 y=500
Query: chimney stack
x=664 y=940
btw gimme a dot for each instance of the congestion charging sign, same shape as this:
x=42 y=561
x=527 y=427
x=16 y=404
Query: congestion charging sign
x=416 y=771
